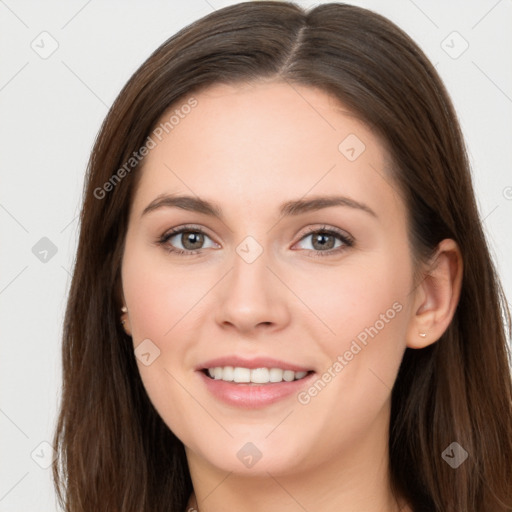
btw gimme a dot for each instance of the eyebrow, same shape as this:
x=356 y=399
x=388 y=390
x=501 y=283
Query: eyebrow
x=289 y=208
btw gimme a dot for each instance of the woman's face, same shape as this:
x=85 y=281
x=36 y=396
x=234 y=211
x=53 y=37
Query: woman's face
x=305 y=267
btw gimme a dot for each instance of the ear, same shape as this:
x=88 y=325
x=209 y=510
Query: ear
x=437 y=296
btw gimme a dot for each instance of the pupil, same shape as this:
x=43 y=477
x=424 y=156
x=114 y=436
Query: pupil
x=196 y=239
x=323 y=244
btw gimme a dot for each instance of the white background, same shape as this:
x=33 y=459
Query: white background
x=50 y=112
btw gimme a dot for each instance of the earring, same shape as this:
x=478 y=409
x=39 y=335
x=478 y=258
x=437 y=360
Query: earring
x=423 y=335
x=124 y=309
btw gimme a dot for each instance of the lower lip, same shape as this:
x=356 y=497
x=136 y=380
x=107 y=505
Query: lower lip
x=250 y=395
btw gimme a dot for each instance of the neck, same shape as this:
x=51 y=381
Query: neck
x=356 y=478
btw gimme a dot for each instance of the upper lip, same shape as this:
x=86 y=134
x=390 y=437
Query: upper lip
x=256 y=362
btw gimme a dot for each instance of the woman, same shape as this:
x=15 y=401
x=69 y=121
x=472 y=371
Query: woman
x=283 y=298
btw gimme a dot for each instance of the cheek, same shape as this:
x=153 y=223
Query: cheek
x=159 y=294
x=365 y=310
x=356 y=297
x=163 y=308
x=159 y=300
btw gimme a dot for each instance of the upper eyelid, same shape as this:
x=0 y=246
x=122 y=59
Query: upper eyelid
x=180 y=229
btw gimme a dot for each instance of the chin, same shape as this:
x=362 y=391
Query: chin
x=254 y=458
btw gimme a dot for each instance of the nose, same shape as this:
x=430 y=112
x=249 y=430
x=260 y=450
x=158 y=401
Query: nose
x=251 y=298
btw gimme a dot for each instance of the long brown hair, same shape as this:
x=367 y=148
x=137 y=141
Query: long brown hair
x=115 y=453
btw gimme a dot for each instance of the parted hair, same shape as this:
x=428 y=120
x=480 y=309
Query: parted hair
x=115 y=453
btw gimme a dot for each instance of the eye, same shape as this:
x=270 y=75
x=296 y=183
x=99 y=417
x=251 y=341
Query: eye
x=191 y=239
x=323 y=241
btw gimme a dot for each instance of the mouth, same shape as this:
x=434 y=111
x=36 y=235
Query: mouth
x=256 y=385
x=256 y=376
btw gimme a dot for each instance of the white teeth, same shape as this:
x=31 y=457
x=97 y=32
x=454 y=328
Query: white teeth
x=288 y=375
x=276 y=375
x=228 y=373
x=255 y=375
x=240 y=374
x=260 y=375
x=218 y=373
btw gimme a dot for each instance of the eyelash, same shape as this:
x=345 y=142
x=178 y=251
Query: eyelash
x=347 y=240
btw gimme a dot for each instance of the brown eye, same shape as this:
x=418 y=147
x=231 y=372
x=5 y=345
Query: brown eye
x=324 y=241
x=192 y=240
x=185 y=240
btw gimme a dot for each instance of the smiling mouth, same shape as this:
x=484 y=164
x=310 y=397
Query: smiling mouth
x=241 y=375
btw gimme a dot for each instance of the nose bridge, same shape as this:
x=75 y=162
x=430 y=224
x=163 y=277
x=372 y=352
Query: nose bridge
x=250 y=275
x=251 y=294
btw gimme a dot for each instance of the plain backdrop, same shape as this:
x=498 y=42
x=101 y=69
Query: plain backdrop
x=62 y=65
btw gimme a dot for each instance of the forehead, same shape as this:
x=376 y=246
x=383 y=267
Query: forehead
x=253 y=144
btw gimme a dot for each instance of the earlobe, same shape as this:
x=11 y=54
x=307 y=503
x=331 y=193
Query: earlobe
x=125 y=321
x=437 y=296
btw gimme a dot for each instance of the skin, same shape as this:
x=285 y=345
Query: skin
x=250 y=148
